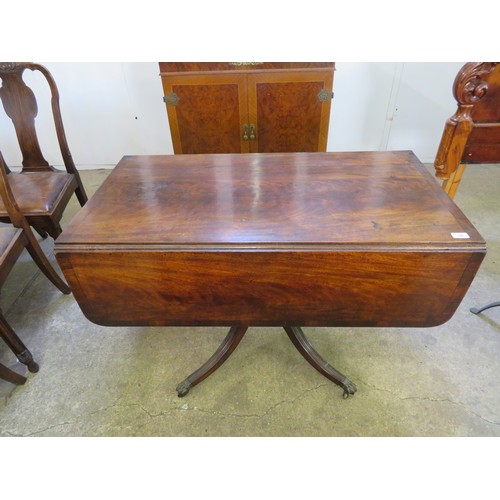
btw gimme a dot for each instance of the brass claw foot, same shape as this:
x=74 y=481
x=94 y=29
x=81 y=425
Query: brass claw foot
x=349 y=388
x=183 y=388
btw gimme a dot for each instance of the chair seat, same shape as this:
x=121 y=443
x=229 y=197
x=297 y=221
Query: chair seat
x=37 y=193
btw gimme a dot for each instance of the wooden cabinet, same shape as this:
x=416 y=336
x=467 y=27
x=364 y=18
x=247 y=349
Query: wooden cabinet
x=248 y=107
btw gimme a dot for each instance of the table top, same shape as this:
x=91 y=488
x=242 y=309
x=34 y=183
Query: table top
x=269 y=199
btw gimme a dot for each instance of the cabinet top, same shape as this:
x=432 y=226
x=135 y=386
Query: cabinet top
x=368 y=198
x=181 y=67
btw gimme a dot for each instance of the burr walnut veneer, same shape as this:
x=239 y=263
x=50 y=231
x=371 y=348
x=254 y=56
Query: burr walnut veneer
x=274 y=239
x=247 y=107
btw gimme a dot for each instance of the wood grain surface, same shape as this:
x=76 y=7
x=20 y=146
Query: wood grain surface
x=283 y=198
x=270 y=239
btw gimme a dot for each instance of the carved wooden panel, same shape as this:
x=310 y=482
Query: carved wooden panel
x=472 y=134
x=487 y=109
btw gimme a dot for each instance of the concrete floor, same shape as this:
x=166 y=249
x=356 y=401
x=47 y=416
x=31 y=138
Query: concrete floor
x=98 y=381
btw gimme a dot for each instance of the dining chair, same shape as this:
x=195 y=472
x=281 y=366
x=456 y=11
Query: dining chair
x=41 y=191
x=472 y=134
x=13 y=240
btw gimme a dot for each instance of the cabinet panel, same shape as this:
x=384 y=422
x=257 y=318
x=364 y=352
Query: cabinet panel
x=290 y=116
x=289 y=120
x=256 y=107
x=207 y=114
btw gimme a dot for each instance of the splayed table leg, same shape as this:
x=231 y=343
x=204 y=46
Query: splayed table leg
x=305 y=348
x=228 y=345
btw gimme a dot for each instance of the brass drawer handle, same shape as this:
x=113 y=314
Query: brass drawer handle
x=252 y=132
x=245 y=132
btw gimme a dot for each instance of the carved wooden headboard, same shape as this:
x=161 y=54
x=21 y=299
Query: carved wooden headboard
x=472 y=134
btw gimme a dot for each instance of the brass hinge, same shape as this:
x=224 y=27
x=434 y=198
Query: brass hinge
x=172 y=99
x=324 y=95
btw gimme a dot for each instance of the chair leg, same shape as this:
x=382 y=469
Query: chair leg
x=80 y=190
x=42 y=262
x=54 y=230
x=11 y=376
x=16 y=345
x=451 y=185
x=81 y=194
x=41 y=232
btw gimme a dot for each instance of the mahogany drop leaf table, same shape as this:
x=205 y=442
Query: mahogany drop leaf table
x=270 y=239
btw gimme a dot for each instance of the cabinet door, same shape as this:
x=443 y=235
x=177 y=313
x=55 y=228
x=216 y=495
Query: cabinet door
x=207 y=113
x=289 y=111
